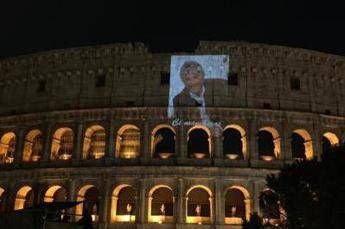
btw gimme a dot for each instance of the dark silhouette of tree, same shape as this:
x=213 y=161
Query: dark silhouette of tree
x=312 y=193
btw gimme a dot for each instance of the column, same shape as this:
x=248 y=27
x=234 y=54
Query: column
x=182 y=142
x=78 y=142
x=253 y=151
x=72 y=197
x=218 y=146
x=47 y=141
x=286 y=142
x=110 y=142
x=19 y=146
x=105 y=204
x=181 y=212
x=316 y=138
x=145 y=152
x=219 y=208
x=142 y=200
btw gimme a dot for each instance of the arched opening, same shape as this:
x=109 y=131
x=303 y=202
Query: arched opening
x=2 y=200
x=329 y=140
x=268 y=144
x=33 y=146
x=163 y=142
x=270 y=207
x=199 y=142
x=301 y=145
x=128 y=142
x=62 y=144
x=234 y=142
x=237 y=205
x=24 y=198
x=199 y=202
x=7 y=148
x=55 y=193
x=89 y=194
x=161 y=205
x=124 y=204
x=94 y=142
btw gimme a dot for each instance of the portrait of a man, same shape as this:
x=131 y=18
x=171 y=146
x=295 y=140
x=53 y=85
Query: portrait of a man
x=192 y=83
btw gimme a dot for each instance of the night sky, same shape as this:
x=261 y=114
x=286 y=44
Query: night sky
x=167 y=26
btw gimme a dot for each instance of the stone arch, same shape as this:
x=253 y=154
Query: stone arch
x=240 y=142
x=33 y=145
x=94 y=142
x=24 y=198
x=269 y=148
x=89 y=203
x=199 y=202
x=2 y=200
x=7 y=147
x=163 y=141
x=161 y=204
x=128 y=142
x=239 y=207
x=62 y=144
x=199 y=142
x=123 y=204
x=301 y=144
x=55 y=193
x=329 y=140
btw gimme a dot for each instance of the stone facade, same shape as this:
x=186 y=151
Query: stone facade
x=59 y=88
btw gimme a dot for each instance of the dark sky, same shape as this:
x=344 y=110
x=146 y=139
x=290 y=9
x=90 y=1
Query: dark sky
x=35 y=25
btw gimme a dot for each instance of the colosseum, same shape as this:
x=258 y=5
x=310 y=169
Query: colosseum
x=91 y=124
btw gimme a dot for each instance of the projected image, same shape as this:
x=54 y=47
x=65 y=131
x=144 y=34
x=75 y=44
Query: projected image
x=192 y=81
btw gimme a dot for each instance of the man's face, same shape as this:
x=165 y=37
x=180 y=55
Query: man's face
x=193 y=79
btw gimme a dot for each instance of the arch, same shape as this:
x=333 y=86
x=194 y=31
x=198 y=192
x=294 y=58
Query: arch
x=33 y=145
x=199 y=144
x=128 y=142
x=55 y=193
x=89 y=194
x=7 y=147
x=62 y=144
x=94 y=142
x=238 y=208
x=163 y=141
x=24 y=198
x=306 y=149
x=275 y=144
x=123 y=204
x=161 y=204
x=329 y=140
x=199 y=205
x=2 y=200
x=241 y=144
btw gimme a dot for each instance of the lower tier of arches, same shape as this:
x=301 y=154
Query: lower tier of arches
x=153 y=196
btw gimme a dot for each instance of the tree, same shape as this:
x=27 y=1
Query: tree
x=312 y=192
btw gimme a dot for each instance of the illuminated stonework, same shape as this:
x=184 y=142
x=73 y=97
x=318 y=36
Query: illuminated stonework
x=113 y=146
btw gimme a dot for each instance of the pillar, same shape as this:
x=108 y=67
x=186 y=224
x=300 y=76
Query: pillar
x=286 y=142
x=47 y=141
x=110 y=142
x=105 y=204
x=218 y=146
x=182 y=142
x=181 y=212
x=142 y=200
x=78 y=142
x=253 y=150
x=219 y=202
x=19 y=146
